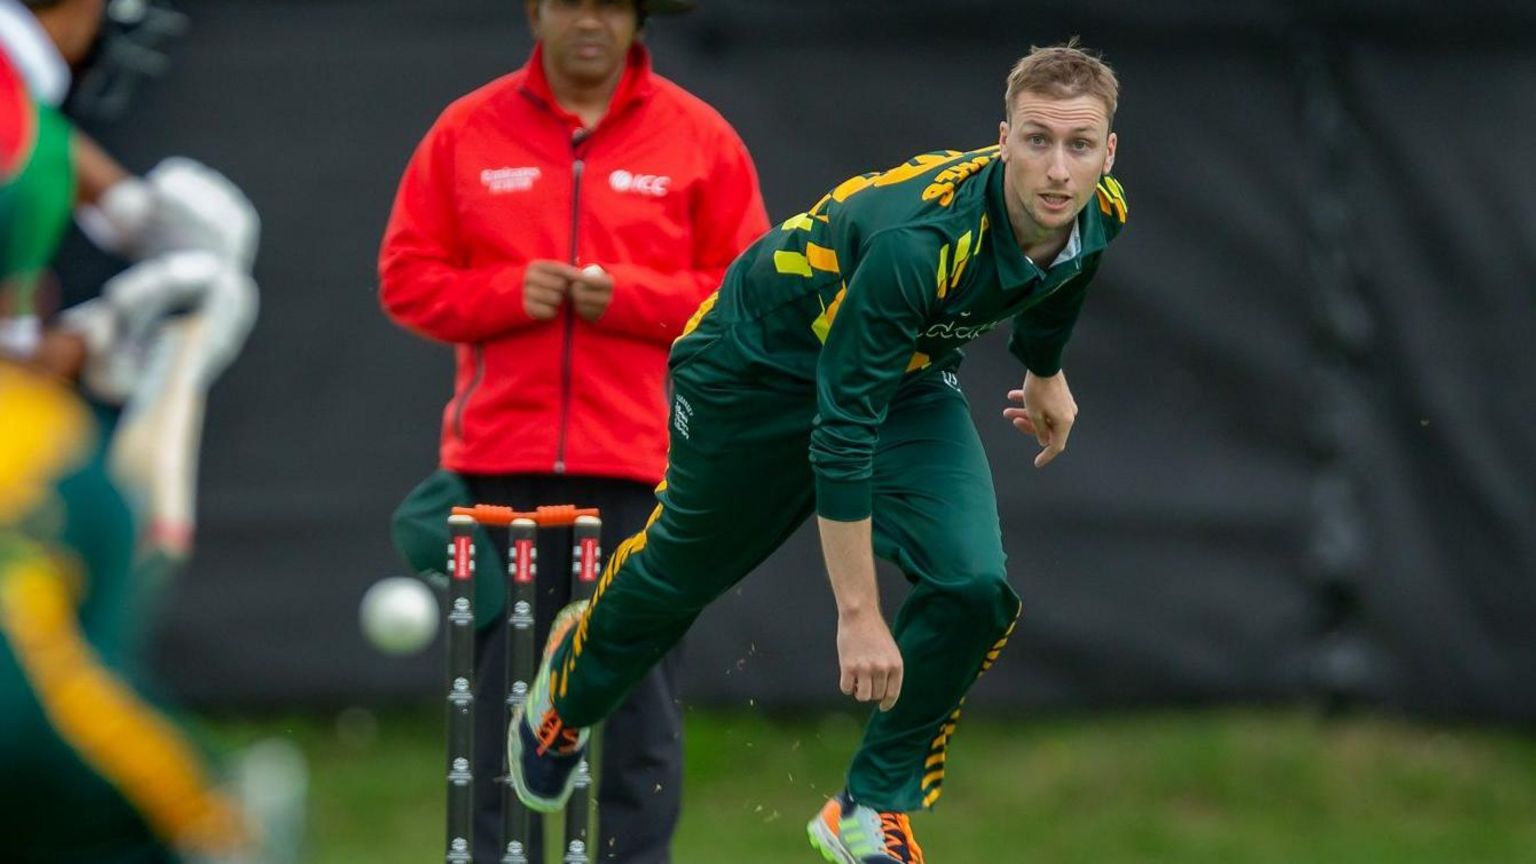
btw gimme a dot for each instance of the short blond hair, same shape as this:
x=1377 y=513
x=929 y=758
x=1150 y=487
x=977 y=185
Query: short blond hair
x=1062 y=72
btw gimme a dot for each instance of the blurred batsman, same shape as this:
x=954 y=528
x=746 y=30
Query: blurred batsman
x=162 y=330
x=821 y=378
x=558 y=226
x=90 y=769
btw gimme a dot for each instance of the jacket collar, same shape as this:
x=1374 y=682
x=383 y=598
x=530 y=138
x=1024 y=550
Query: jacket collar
x=635 y=84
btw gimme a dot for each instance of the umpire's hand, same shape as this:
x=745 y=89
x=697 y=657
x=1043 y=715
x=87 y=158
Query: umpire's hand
x=545 y=284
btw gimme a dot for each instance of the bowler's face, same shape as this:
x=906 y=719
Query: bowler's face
x=1055 y=150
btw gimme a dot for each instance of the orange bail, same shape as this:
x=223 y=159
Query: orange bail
x=547 y=516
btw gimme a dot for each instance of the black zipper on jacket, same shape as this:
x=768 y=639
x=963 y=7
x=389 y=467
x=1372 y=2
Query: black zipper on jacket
x=474 y=382
x=578 y=166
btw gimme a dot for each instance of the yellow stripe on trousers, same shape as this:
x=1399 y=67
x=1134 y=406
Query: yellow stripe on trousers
x=123 y=739
x=938 y=752
x=560 y=678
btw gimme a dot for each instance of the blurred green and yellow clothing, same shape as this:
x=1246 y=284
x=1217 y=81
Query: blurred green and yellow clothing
x=93 y=771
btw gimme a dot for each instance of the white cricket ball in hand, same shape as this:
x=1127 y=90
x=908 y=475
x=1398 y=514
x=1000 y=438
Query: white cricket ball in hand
x=592 y=270
x=399 y=615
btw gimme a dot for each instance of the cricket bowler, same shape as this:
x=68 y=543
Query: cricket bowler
x=821 y=377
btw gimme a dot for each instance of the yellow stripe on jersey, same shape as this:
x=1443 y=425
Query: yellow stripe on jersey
x=46 y=433
x=914 y=167
x=791 y=263
x=124 y=740
x=943 y=271
x=821 y=258
x=962 y=257
x=823 y=323
x=850 y=186
x=800 y=222
x=699 y=313
x=815 y=257
x=919 y=164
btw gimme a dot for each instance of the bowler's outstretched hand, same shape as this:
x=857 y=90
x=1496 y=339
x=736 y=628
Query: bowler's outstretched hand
x=1048 y=413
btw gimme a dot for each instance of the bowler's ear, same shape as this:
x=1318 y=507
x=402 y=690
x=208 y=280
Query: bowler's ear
x=1002 y=136
x=1109 y=154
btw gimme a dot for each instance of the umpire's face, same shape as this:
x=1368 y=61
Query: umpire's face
x=585 y=41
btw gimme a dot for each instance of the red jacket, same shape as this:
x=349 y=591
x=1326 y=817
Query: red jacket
x=661 y=193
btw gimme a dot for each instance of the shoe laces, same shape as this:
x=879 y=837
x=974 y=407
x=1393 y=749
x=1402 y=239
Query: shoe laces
x=553 y=733
x=897 y=829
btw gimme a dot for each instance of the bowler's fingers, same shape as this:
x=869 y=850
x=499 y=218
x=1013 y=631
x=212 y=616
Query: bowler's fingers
x=1020 y=419
x=892 y=689
x=877 y=683
x=1056 y=440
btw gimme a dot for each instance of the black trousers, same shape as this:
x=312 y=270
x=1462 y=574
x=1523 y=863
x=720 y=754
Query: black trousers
x=640 y=791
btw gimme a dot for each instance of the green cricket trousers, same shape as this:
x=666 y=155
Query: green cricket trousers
x=738 y=483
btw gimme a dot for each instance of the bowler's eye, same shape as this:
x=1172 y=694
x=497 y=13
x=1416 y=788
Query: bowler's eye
x=1082 y=145
x=1035 y=139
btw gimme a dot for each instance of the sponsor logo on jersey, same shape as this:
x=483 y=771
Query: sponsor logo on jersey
x=958 y=330
x=624 y=182
x=682 y=413
x=499 y=181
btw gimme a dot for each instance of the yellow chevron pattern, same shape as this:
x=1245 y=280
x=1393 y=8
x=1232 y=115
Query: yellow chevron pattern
x=559 y=679
x=938 y=752
x=933 y=781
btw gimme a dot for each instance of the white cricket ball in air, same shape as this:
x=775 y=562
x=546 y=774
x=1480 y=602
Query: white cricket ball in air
x=592 y=270
x=399 y=615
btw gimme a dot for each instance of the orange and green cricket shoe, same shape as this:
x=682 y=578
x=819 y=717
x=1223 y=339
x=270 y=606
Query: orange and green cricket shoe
x=849 y=833
x=543 y=754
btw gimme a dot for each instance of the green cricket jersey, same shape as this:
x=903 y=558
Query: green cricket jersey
x=37 y=185
x=886 y=278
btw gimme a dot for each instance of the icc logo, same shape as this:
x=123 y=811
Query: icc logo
x=654 y=185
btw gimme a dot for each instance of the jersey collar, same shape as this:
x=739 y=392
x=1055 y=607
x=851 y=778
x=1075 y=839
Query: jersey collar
x=27 y=44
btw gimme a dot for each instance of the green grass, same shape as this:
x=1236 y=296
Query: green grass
x=1220 y=786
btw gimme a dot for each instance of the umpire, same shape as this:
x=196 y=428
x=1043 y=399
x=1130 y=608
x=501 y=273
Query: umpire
x=558 y=227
